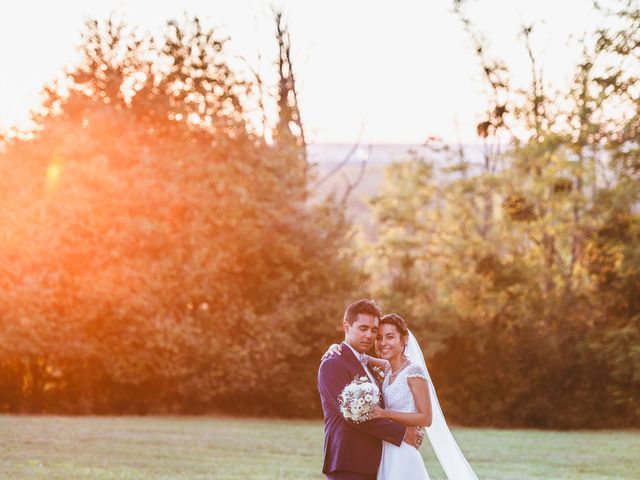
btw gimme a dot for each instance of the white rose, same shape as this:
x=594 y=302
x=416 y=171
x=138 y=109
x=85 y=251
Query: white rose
x=361 y=401
x=367 y=398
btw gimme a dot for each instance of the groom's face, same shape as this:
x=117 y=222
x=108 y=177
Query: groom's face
x=362 y=333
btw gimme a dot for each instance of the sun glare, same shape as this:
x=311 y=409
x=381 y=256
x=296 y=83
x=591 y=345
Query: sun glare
x=53 y=176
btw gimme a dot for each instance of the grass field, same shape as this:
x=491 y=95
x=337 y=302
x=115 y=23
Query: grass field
x=199 y=448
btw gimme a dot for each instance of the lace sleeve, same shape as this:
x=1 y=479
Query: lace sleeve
x=414 y=371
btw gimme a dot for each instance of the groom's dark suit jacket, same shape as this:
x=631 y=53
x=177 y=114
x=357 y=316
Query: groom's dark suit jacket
x=349 y=446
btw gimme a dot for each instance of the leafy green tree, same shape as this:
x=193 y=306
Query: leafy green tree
x=157 y=253
x=519 y=274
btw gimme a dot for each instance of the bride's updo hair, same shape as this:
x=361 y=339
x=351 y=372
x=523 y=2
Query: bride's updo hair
x=397 y=321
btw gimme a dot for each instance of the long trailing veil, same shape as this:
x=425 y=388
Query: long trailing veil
x=451 y=458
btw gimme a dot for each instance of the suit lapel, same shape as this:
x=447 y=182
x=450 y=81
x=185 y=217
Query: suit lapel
x=348 y=355
x=351 y=359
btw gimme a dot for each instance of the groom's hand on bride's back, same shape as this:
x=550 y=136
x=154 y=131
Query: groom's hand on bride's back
x=334 y=349
x=413 y=436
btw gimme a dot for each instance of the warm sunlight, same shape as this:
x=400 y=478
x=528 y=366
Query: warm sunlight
x=407 y=70
x=337 y=240
x=53 y=175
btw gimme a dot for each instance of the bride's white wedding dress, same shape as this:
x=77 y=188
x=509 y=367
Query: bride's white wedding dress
x=403 y=462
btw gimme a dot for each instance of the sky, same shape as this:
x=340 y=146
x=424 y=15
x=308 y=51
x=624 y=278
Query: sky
x=370 y=70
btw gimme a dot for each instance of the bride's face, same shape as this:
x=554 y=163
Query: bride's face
x=389 y=343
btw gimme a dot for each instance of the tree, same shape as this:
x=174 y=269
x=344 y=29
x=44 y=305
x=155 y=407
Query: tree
x=517 y=273
x=158 y=254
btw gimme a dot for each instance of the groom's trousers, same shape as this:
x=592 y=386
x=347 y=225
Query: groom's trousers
x=341 y=475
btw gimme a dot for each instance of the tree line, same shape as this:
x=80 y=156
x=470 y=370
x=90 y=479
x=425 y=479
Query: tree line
x=160 y=252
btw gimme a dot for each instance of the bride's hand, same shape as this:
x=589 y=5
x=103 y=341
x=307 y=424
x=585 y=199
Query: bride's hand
x=334 y=349
x=379 y=412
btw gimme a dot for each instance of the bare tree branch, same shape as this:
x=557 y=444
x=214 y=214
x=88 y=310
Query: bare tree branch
x=338 y=167
x=351 y=186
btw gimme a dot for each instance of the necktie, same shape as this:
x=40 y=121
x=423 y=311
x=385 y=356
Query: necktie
x=363 y=361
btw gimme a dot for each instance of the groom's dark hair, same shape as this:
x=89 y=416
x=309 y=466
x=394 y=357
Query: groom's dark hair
x=367 y=307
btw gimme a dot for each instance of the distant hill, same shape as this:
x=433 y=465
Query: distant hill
x=332 y=153
x=327 y=156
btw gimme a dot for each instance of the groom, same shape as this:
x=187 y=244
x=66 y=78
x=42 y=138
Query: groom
x=352 y=451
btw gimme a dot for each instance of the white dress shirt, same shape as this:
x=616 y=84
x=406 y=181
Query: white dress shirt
x=362 y=358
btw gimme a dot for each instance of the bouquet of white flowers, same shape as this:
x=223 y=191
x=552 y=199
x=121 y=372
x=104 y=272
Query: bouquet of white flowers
x=358 y=399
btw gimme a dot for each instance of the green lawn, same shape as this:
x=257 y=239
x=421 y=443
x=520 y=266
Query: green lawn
x=33 y=447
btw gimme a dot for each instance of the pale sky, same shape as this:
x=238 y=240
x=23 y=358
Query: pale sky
x=397 y=71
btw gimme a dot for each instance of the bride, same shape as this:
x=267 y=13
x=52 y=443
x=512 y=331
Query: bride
x=410 y=399
x=406 y=398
